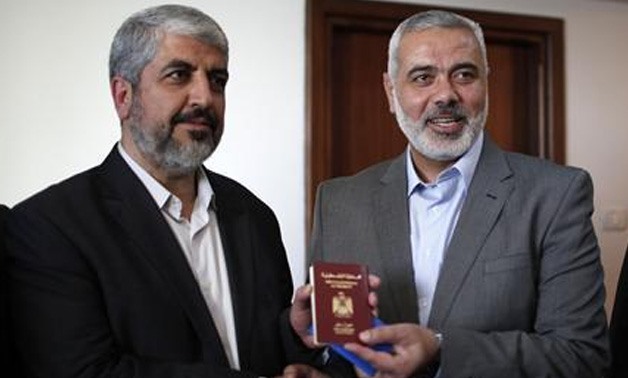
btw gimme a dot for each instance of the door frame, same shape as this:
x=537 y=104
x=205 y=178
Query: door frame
x=323 y=16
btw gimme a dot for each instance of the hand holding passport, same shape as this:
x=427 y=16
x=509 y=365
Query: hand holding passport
x=341 y=310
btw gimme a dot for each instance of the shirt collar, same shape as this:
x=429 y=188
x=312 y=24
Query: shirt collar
x=465 y=165
x=160 y=194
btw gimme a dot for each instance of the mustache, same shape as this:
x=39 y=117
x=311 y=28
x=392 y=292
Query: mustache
x=450 y=109
x=205 y=115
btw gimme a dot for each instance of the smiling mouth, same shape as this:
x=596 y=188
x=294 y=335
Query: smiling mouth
x=445 y=120
x=447 y=124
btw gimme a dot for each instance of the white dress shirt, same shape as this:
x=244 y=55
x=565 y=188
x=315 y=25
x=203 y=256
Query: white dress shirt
x=200 y=241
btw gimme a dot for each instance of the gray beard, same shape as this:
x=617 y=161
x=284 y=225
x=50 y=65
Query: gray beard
x=160 y=148
x=434 y=146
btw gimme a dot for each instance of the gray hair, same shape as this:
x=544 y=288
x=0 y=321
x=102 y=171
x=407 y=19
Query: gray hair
x=430 y=19
x=136 y=41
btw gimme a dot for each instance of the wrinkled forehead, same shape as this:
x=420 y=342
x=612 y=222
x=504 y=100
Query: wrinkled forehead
x=190 y=50
x=440 y=47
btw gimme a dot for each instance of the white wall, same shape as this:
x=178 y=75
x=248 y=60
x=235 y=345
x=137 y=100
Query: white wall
x=56 y=117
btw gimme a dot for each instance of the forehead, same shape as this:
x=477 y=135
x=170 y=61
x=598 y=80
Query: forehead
x=188 y=49
x=438 y=46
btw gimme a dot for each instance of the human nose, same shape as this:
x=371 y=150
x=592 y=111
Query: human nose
x=201 y=94
x=445 y=93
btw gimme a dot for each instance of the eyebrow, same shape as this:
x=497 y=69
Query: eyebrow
x=219 y=71
x=463 y=65
x=423 y=68
x=431 y=68
x=177 y=63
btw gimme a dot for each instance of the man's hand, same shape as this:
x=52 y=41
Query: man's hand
x=302 y=371
x=301 y=311
x=414 y=348
x=301 y=315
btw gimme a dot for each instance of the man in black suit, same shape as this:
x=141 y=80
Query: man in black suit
x=150 y=265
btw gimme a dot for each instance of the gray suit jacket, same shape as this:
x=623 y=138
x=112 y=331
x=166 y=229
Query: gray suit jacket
x=521 y=289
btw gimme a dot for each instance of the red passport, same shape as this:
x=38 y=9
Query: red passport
x=340 y=309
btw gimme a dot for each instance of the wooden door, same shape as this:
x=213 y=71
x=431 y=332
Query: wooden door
x=349 y=126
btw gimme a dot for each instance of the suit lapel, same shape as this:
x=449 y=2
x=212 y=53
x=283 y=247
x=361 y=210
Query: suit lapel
x=393 y=240
x=487 y=194
x=234 y=223
x=134 y=209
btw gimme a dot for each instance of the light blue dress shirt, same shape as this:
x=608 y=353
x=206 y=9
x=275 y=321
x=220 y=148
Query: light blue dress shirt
x=433 y=212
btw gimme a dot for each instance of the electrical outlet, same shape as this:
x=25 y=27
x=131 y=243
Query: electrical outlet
x=615 y=220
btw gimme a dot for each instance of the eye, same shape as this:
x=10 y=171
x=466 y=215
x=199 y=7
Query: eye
x=218 y=81
x=465 y=76
x=422 y=78
x=178 y=75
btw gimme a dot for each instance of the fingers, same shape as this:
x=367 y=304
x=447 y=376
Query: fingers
x=302 y=371
x=301 y=315
x=296 y=371
x=414 y=348
x=300 y=311
x=384 y=362
x=394 y=334
x=381 y=361
x=302 y=295
x=374 y=283
x=373 y=303
x=359 y=373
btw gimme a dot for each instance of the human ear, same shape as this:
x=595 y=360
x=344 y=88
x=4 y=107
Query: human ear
x=389 y=88
x=122 y=93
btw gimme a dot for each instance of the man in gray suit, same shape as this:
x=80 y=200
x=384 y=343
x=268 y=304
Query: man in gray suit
x=488 y=260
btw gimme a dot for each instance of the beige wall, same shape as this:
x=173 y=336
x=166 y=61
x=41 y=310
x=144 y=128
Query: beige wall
x=56 y=117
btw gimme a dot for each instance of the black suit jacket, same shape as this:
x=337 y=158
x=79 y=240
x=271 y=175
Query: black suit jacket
x=619 y=325
x=8 y=359
x=101 y=288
